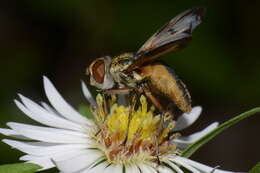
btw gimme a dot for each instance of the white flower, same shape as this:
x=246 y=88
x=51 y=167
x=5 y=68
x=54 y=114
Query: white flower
x=75 y=144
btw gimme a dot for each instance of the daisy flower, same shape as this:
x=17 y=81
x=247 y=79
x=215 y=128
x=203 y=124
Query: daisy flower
x=112 y=141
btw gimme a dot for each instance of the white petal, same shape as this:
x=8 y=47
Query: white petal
x=188 y=119
x=175 y=167
x=164 y=169
x=185 y=165
x=47 y=162
x=43 y=149
x=131 y=169
x=115 y=169
x=49 y=108
x=39 y=114
x=47 y=134
x=44 y=162
x=68 y=155
x=80 y=161
x=61 y=105
x=87 y=94
x=147 y=169
x=12 y=133
x=96 y=169
x=183 y=141
x=202 y=167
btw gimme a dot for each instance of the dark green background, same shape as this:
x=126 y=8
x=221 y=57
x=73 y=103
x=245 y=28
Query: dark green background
x=221 y=67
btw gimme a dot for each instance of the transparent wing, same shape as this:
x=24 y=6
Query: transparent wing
x=173 y=36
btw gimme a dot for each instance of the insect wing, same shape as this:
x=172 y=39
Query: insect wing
x=173 y=36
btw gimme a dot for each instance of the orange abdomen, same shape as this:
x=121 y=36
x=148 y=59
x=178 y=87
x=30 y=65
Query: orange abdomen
x=166 y=83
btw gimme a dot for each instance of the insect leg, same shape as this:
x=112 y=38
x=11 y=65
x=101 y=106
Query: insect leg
x=157 y=152
x=159 y=106
x=105 y=103
x=132 y=108
x=124 y=90
x=153 y=99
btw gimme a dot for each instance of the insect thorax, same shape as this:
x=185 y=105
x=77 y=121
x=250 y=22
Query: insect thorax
x=118 y=65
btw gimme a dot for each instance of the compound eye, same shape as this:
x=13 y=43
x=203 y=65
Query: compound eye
x=98 y=71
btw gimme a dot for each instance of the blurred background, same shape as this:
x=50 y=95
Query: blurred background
x=221 y=67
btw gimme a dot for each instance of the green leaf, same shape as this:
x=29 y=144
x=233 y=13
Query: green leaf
x=19 y=168
x=200 y=142
x=85 y=110
x=255 y=169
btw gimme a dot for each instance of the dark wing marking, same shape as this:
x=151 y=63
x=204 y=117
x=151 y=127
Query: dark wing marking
x=173 y=36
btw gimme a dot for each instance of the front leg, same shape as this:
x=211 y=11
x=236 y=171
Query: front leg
x=124 y=90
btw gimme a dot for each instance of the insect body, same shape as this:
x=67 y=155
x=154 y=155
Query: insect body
x=163 y=81
x=141 y=71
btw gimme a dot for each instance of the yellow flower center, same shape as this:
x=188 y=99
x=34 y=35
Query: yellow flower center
x=127 y=135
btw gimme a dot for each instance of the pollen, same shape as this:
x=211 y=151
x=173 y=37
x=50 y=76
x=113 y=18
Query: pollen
x=127 y=135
